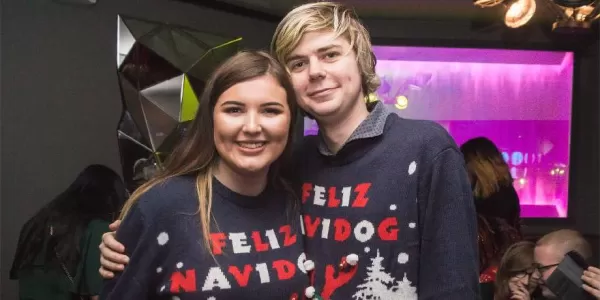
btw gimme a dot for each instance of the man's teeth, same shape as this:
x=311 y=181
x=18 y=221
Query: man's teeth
x=251 y=145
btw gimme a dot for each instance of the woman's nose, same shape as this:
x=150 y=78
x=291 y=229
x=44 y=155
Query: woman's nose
x=536 y=274
x=252 y=125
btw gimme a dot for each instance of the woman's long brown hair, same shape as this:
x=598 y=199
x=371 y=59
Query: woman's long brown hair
x=196 y=154
x=486 y=166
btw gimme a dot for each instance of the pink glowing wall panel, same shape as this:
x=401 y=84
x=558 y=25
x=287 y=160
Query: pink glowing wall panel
x=519 y=99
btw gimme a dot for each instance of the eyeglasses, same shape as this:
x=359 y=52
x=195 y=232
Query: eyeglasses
x=524 y=273
x=545 y=268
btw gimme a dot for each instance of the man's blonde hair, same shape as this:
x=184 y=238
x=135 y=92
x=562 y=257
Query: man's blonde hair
x=328 y=16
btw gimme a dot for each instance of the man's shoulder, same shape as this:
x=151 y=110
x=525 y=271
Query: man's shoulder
x=421 y=135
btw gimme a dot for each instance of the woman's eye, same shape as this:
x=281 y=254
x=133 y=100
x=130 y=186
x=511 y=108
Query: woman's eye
x=233 y=110
x=272 y=111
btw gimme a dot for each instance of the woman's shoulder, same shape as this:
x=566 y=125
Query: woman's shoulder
x=179 y=185
x=172 y=193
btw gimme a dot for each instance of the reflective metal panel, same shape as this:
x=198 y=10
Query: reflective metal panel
x=162 y=69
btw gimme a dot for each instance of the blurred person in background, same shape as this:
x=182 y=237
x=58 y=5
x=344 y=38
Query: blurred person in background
x=552 y=248
x=57 y=253
x=517 y=276
x=491 y=181
x=496 y=203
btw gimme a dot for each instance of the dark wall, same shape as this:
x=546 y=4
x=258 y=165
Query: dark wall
x=60 y=110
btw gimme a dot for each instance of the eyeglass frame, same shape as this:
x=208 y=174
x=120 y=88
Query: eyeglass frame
x=525 y=272
x=545 y=268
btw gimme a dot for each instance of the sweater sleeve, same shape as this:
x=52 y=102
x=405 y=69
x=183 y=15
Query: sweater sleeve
x=448 y=260
x=138 y=236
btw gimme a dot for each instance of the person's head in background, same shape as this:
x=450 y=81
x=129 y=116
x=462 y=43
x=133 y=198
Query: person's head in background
x=486 y=167
x=328 y=53
x=241 y=134
x=552 y=248
x=96 y=193
x=517 y=271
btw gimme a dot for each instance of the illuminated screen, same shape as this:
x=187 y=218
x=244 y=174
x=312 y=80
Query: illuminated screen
x=521 y=100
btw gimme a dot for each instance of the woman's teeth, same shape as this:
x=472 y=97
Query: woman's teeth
x=251 y=145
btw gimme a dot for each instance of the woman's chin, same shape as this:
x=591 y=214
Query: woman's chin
x=253 y=169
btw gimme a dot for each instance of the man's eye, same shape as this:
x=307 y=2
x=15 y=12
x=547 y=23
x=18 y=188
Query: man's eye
x=297 y=65
x=332 y=55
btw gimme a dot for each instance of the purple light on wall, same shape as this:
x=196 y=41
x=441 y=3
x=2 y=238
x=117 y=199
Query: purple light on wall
x=519 y=99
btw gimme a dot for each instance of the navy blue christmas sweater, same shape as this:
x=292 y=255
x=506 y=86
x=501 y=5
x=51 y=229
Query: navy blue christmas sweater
x=258 y=251
x=390 y=216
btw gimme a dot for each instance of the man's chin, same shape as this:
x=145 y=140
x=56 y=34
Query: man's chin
x=324 y=114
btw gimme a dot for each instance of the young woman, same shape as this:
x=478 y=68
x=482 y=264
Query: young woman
x=492 y=183
x=496 y=202
x=57 y=253
x=517 y=276
x=217 y=222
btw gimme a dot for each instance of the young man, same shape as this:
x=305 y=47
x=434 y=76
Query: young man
x=387 y=206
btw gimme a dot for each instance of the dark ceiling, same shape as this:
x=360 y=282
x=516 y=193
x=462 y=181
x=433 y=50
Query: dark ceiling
x=378 y=9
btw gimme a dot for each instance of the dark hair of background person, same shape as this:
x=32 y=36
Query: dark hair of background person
x=97 y=193
x=491 y=181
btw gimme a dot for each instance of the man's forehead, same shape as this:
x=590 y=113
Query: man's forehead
x=316 y=41
x=546 y=254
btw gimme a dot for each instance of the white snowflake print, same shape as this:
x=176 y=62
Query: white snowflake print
x=179 y=265
x=211 y=298
x=393 y=207
x=402 y=258
x=412 y=225
x=380 y=285
x=367 y=249
x=158 y=270
x=162 y=238
x=412 y=167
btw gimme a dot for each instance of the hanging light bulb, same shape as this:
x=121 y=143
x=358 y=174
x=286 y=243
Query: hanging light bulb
x=519 y=13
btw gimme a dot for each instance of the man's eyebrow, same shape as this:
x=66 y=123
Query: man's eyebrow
x=328 y=47
x=320 y=50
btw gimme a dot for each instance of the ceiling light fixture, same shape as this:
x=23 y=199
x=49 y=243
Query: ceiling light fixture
x=571 y=15
x=519 y=12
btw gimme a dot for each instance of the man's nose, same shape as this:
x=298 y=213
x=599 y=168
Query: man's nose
x=315 y=69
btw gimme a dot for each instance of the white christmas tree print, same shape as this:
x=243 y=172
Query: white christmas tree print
x=380 y=285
